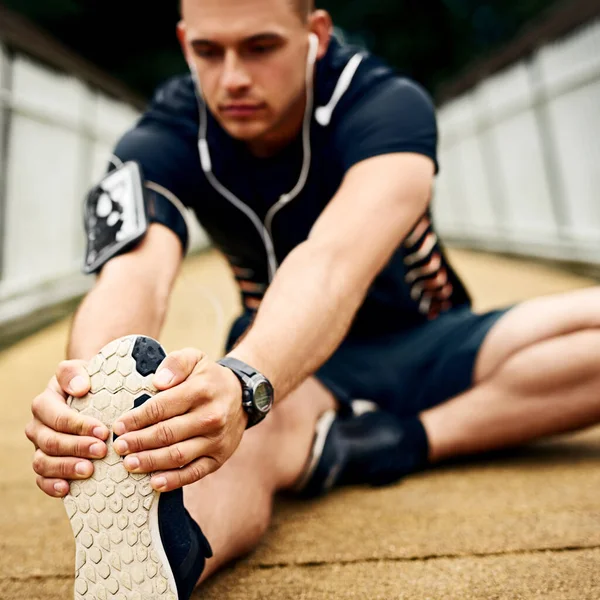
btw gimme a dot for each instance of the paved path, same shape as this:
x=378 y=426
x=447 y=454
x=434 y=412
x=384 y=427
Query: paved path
x=520 y=525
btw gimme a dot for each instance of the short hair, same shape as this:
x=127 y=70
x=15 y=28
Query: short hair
x=302 y=7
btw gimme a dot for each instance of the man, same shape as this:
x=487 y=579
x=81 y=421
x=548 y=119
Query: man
x=311 y=166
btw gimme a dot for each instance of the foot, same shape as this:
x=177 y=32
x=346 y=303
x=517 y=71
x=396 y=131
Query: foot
x=132 y=542
x=368 y=446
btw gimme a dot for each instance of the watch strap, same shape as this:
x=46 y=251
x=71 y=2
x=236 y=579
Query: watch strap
x=247 y=376
x=239 y=365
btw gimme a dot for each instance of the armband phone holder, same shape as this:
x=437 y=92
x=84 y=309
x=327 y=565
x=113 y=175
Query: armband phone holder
x=115 y=215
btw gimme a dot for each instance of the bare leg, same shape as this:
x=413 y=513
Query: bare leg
x=233 y=505
x=537 y=374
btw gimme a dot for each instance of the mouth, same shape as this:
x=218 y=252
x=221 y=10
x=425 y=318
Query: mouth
x=241 y=110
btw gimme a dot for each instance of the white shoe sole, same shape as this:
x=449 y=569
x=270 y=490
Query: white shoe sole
x=114 y=514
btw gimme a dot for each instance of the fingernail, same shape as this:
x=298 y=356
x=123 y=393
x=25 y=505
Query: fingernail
x=120 y=446
x=96 y=450
x=118 y=428
x=159 y=483
x=163 y=377
x=132 y=463
x=100 y=432
x=78 y=384
x=83 y=468
x=60 y=488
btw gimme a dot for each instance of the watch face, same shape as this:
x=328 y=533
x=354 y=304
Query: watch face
x=262 y=396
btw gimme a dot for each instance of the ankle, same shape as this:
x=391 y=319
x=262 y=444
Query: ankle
x=184 y=543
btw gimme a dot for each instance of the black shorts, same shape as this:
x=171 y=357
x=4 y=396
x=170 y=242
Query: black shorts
x=405 y=372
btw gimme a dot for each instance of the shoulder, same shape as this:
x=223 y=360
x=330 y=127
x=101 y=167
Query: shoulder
x=164 y=140
x=380 y=112
x=175 y=105
x=406 y=92
x=168 y=126
x=373 y=90
x=399 y=99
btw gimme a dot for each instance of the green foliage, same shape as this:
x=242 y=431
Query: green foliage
x=430 y=40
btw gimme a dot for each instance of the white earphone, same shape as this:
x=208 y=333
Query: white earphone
x=313 y=49
x=195 y=78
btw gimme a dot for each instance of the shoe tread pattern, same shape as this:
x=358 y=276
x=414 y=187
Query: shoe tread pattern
x=110 y=512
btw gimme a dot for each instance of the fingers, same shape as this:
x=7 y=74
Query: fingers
x=57 y=488
x=73 y=378
x=62 y=444
x=171 y=480
x=163 y=406
x=177 y=367
x=61 y=467
x=63 y=436
x=169 y=432
x=172 y=457
x=50 y=408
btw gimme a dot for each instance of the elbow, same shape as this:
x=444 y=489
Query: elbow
x=125 y=279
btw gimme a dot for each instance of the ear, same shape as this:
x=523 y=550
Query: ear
x=183 y=40
x=320 y=23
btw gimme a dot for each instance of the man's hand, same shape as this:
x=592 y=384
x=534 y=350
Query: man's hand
x=63 y=437
x=190 y=428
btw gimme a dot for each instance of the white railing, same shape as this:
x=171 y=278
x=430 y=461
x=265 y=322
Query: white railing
x=520 y=156
x=58 y=135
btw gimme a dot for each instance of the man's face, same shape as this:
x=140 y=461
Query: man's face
x=250 y=57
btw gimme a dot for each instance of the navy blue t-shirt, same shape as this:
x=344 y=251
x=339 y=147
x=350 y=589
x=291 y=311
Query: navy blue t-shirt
x=379 y=113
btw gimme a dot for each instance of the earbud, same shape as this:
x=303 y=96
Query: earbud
x=195 y=78
x=192 y=68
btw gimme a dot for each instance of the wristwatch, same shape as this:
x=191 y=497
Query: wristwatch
x=257 y=391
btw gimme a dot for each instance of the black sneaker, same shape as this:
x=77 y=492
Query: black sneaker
x=368 y=446
x=131 y=542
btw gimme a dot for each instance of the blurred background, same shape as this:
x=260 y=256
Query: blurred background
x=516 y=82
x=517 y=87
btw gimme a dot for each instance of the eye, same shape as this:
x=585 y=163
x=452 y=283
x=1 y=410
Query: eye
x=262 y=48
x=207 y=52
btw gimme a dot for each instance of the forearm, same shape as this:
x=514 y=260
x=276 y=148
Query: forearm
x=111 y=311
x=303 y=317
x=314 y=297
x=130 y=296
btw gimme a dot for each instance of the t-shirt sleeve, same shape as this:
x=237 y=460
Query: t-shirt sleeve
x=161 y=155
x=396 y=116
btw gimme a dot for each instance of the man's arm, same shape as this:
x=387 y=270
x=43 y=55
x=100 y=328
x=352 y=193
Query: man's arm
x=389 y=159
x=130 y=295
x=320 y=286
x=303 y=318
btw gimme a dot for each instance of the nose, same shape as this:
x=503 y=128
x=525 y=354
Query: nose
x=235 y=79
